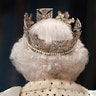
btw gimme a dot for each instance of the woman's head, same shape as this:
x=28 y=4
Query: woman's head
x=51 y=50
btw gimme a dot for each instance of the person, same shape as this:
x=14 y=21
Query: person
x=50 y=55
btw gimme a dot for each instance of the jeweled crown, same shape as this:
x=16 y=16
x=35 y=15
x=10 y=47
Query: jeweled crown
x=56 y=47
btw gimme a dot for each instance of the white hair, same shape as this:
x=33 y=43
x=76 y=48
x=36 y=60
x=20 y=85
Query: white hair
x=35 y=66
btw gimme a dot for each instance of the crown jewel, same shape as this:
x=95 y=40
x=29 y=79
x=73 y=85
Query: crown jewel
x=44 y=13
x=55 y=47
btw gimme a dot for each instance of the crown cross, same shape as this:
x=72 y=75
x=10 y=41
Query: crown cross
x=44 y=13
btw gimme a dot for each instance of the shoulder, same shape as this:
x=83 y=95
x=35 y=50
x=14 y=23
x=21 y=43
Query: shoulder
x=92 y=92
x=13 y=91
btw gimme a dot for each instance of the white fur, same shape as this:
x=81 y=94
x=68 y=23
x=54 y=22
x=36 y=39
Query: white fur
x=51 y=29
x=35 y=66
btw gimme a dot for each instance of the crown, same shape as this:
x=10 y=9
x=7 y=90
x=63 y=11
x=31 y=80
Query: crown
x=55 y=47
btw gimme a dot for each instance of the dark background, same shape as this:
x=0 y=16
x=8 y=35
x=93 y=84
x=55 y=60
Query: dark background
x=11 y=29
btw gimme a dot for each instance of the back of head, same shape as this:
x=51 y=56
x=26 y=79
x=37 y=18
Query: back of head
x=50 y=49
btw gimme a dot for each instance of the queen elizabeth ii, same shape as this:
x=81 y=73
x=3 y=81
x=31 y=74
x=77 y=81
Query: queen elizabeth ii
x=50 y=55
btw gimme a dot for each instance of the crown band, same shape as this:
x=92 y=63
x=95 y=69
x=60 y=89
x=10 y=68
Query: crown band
x=48 y=53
